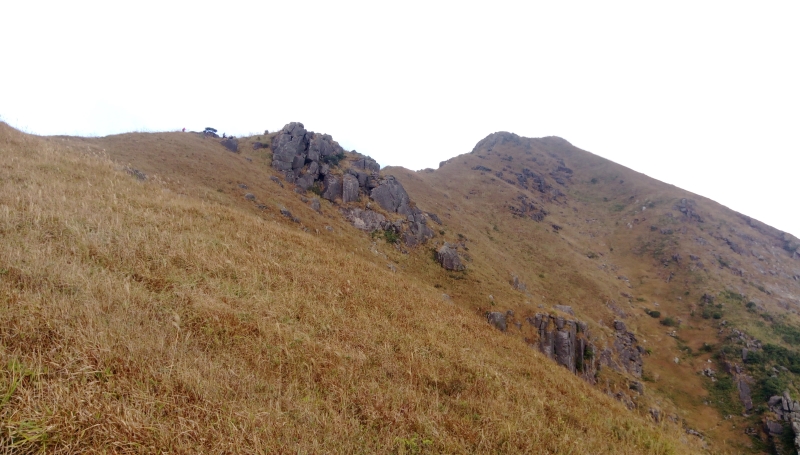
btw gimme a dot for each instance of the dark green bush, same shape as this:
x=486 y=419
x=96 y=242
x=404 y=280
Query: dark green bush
x=653 y=313
x=669 y=321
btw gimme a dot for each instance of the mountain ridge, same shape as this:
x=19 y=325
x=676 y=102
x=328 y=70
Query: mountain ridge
x=566 y=239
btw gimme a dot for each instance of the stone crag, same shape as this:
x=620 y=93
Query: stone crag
x=315 y=161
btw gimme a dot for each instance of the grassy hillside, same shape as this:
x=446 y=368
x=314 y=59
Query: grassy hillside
x=615 y=244
x=173 y=315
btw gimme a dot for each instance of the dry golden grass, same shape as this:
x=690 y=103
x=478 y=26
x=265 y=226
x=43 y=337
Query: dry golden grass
x=601 y=200
x=134 y=320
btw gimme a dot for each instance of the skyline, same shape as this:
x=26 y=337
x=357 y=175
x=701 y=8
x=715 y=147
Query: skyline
x=703 y=97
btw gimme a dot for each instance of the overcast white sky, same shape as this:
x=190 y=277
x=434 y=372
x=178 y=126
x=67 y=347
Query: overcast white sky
x=703 y=95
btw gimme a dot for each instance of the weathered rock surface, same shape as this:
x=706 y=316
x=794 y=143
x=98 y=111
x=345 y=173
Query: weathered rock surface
x=366 y=220
x=498 y=320
x=349 y=188
x=290 y=142
x=628 y=352
x=448 y=258
x=559 y=340
x=391 y=196
x=230 y=144
x=312 y=160
x=332 y=187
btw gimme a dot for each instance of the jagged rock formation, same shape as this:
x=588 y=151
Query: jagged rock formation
x=303 y=156
x=310 y=160
x=788 y=411
x=524 y=207
x=629 y=353
x=566 y=342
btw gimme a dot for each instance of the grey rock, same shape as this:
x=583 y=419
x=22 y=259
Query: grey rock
x=258 y=145
x=290 y=141
x=365 y=220
x=243 y=186
x=136 y=173
x=285 y=212
x=448 y=258
x=315 y=205
x=332 y=187
x=565 y=308
x=497 y=319
x=391 y=196
x=230 y=144
x=305 y=181
x=435 y=218
x=250 y=196
x=517 y=284
x=276 y=180
x=367 y=164
x=774 y=427
x=321 y=146
x=349 y=188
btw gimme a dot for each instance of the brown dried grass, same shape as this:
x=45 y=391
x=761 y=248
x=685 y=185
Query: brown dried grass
x=136 y=321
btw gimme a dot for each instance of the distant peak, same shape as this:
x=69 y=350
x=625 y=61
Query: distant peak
x=505 y=137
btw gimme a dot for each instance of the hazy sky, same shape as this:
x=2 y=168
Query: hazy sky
x=703 y=95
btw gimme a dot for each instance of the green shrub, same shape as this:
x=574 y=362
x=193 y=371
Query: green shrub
x=391 y=236
x=653 y=313
x=669 y=321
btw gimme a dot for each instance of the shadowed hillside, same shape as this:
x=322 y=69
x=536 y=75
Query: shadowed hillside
x=147 y=305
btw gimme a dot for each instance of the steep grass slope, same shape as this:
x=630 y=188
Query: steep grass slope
x=616 y=244
x=140 y=317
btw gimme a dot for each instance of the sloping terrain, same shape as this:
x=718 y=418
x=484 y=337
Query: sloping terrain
x=699 y=284
x=147 y=305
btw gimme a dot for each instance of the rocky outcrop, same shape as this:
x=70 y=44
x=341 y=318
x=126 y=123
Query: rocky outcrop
x=524 y=207
x=565 y=341
x=290 y=142
x=315 y=161
x=689 y=209
x=628 y=352
x=788 y=411
x=502 y=137
x=448 y=258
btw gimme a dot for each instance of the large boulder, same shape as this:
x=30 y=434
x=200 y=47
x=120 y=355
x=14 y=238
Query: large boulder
x=391 y=196
x=306 y=181
x=230 y=144
x=291 y=141
x=332 y=187
x=448 y=258
x=349 y=188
